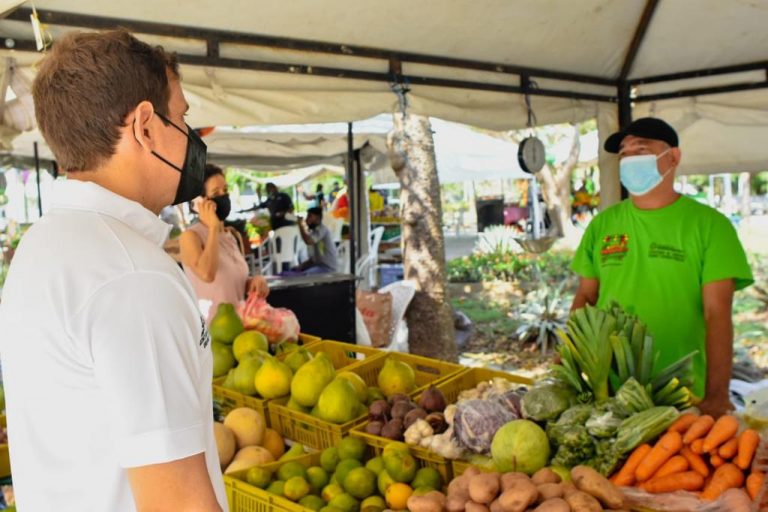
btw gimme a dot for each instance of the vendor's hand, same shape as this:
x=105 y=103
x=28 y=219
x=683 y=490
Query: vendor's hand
x=207 y=212
x=257 y=285
x=715 y=406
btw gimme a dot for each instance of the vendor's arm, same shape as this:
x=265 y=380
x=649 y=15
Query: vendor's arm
x=203 y=261
x=586 y=294
x=718 y=301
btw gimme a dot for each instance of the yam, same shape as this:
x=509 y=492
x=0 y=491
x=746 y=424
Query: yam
x=484 y=488
x=545 y=476
x=582 y=502
x=554 y=505
x=591 y=482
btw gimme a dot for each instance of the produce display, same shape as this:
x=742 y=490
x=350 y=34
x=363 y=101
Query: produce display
x=348 y=479
x=697 y=453
x=582 y=490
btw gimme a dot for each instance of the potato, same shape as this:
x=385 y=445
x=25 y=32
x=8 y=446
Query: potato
x=496 y=506
x=433 y=501
x=484 y=488
x=476 y=507
x=592 y=482
x=554 y=505
x=549 y=491
x=545 y=476
x=508 y=478
x=568 y=488
x=456 y=504
x=521 y=495
x=459 y=487
x=582 y=502
x=472 y=471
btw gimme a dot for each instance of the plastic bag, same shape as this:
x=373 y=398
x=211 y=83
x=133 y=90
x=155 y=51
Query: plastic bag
x=277 y=324
x=732 y=500
x=376 y=309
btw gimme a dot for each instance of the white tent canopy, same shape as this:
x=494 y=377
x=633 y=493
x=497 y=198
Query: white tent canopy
x=338 y=71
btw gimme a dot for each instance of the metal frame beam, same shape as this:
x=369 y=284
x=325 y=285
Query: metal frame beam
x=637 y=39
x=700 y=73
x=223 y=36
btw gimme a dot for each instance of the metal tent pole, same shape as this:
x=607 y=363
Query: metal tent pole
x=37 y=179
x=351 y=199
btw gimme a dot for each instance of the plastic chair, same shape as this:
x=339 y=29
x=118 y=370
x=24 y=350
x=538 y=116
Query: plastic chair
x=342 y=256
x=284 y=247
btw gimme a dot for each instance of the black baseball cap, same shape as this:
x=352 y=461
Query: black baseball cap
x=645 y=127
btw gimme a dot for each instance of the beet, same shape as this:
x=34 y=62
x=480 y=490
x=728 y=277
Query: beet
x=400 y=409
x=413 y=415
x=432 y=400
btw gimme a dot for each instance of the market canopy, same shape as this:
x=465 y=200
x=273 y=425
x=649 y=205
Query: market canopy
x=700 y=64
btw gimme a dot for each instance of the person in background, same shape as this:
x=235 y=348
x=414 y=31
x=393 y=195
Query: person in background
x=318 y=197
x=107 y=364
x=212 y=255
x=335 y=191
x=375 y=200
x=279 y=205
x=670 y=260
x=322 y=250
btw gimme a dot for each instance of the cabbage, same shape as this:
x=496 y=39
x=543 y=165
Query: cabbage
x=476 y=422
x=547 y=401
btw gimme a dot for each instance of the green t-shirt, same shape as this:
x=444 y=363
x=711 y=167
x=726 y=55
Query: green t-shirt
x=654 y=264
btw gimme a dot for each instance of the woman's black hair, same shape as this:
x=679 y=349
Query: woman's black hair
x=212 y=170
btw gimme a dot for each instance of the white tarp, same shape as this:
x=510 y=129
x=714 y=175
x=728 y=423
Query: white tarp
x=589 y=37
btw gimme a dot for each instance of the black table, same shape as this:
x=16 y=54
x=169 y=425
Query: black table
x=323 y=303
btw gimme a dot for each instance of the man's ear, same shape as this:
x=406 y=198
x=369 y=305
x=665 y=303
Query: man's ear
x=143 y=126
x=676 y=155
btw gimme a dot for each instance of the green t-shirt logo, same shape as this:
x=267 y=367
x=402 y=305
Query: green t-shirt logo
x=615 y=248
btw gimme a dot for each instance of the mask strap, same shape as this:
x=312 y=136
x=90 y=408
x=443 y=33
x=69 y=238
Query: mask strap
x=671 y=167
x=167 y=162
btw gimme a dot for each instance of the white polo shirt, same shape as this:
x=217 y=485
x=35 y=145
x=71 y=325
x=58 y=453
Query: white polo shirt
x=106 y=361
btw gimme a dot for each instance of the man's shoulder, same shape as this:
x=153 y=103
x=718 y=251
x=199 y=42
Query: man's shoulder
x=610 y=214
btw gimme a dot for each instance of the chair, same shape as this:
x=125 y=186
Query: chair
x=284 y=247
x=342 y=256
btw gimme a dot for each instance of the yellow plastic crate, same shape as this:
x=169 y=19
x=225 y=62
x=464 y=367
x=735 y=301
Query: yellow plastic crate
x=450 y=388
x=342 y=354
x=428 y=371
x=230 y=399
x=5 y=457
x=244 y=497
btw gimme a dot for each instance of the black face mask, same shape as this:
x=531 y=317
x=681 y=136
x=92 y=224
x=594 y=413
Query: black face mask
x=191 y=183
x=223 y=206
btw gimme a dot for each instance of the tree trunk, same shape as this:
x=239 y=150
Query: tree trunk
x=745 y=194
x=429 y=317
x=556 y=188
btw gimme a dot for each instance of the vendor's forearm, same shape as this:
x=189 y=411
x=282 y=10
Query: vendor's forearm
x=719 y=356
x=305 y=236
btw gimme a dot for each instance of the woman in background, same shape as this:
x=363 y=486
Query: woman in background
x=212 y=255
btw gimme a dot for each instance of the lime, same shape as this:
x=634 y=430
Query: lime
x=344 y=467
x=352 y=448
x=317 y=478
x=277 y=487
x=312 y=502
x=259 y=477
x=376 y=465
x=345 y=502
x=331 y=491
x=329 y=459
x=296 y=488
x=291 y=469
x=384 y=481
x=360 y=483
x=429 y=478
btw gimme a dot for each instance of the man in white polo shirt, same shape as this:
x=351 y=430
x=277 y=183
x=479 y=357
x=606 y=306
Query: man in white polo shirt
x=106 y=360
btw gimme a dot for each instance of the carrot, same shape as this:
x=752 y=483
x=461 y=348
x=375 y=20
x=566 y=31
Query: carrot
x=716 y=461
x=677 y=464
x=687 y=481
x=697 y=446
x=668 y=446
x=755 y=482
x=682 y=423
x=695 y=461
x=699 y=429
x=724 y=429
x=727 y=476
x=626 y=475
x=748 y=442
x=729 y=449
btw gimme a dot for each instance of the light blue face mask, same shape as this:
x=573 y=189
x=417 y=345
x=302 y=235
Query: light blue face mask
x=640 y=173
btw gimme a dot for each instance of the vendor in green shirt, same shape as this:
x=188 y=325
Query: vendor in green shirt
x=670 y=260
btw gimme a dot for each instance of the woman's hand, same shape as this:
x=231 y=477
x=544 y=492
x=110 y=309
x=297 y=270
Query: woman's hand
x=257 y=285
x=207 y=213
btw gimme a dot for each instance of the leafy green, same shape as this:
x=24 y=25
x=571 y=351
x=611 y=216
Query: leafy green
x=547 y=400
x=644 y=426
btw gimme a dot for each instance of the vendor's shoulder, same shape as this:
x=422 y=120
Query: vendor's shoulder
x=701 y=210
x=612 y=212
